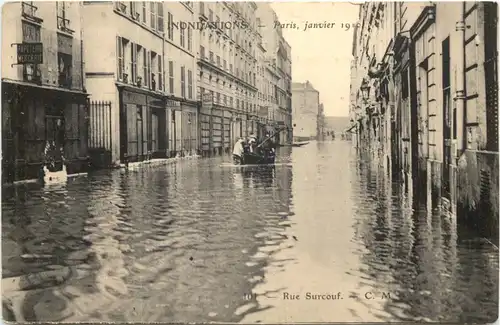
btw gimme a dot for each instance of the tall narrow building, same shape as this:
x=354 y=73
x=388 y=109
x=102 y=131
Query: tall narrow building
x=43 y=89
x=306 y=110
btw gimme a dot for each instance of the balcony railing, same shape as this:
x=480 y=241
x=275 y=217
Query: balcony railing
x=29 y=11
x=63 y=25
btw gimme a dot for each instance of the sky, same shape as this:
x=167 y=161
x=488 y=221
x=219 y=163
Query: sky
x=321 y=55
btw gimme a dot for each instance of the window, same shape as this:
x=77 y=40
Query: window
x=202 y=8
x=62 y=21
x=149 y=77
x=65 y=58
x=211 y=56
x=160 y=73
x=29 y=9
x=218 y=60
x=133 y=63
x=230 y=101
x=144 y=12
x=218 y=98
x=161 y=24
x=225 y=100
x=31 y=33
x=121 y=6
x=145 y=72
x=134 y=13
x=237 y=103
x=202 y=52
x=140 y=65
x=120 y=53
x=190 y=84
x=183 y=37
x=152 y=8
x=225 y=64
x=190 y=39
x=183 y=82
x=210 y=15
x=170 y=30
x=171 y=76
x=231 y=67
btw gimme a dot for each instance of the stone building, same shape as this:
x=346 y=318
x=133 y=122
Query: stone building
x=141 y=68
x=306 y=110
x=227 y=79
x=430 y=115
x=44 y=102
x=277 y=71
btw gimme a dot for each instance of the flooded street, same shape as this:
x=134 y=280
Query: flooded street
x=203 y=241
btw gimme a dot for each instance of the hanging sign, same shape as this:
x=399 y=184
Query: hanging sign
x=29 y=53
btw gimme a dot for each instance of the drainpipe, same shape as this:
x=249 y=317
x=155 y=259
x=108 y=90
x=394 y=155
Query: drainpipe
x=460 y=83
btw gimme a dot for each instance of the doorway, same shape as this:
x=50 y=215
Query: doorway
x=449 y=118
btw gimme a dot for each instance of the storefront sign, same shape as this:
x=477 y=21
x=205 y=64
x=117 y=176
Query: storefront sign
x=134 y=98
x=173 y=104
x=30 y=53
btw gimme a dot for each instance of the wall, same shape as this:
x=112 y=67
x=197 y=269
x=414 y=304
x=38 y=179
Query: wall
x=11 y=16
x=305 y=111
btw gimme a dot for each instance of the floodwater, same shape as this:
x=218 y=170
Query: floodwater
x=323 y=236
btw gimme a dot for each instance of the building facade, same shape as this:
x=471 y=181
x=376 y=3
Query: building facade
x=44 y=102
x=227 y=80
x=432 y=116
x=145 y=71
x=278 y=72
x=306 y=109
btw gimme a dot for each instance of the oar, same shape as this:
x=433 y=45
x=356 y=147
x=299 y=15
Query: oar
x=269 y=137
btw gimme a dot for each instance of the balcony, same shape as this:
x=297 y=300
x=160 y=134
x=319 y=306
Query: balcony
x=63 y=25
x=29 y=11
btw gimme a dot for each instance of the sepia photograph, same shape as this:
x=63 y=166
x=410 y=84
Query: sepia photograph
x=250 y=162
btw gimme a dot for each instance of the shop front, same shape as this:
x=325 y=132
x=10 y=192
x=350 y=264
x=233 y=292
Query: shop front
x=227 y=131
x=42 y=127
x=175 y=127
x=143 y=126
x=189 y=129
x=217 y=130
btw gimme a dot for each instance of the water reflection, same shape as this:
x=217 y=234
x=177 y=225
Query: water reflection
x=417 y=256
x=197 y=241
x=179 y=243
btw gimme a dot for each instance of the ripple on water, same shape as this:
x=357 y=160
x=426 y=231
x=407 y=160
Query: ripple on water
x=211 y=235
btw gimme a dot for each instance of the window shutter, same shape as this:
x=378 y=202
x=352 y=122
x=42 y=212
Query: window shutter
x=149 y=68
x=118 y=58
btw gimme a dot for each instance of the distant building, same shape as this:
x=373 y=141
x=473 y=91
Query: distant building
x=306 y=109
x=337 y=124
x=43 y=96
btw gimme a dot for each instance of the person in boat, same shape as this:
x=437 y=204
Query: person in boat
x=252 y=141
x=238 y=151
x=268 y=146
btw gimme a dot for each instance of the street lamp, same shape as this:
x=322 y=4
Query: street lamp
x=365 y=90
